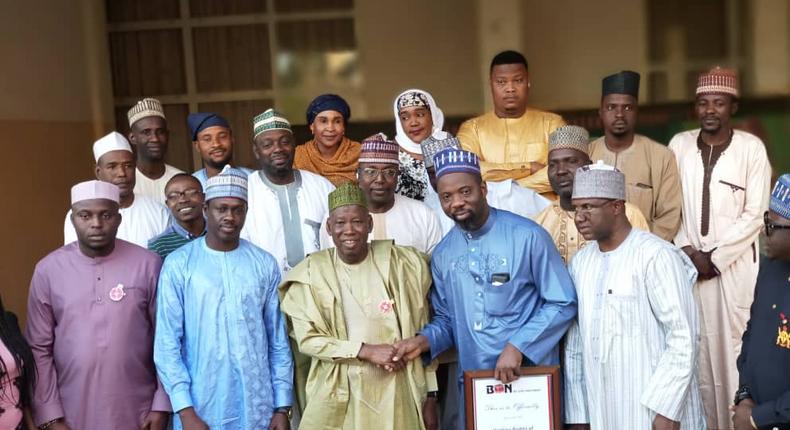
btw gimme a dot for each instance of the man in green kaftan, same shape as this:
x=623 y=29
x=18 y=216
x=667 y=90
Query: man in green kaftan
x=346 y=306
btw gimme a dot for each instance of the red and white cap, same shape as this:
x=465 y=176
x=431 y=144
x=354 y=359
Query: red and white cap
x=718 y=81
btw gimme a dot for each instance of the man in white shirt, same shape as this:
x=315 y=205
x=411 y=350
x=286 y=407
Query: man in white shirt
x=286 y=205
x=631 y=356
x=149 y=135
x=407 y=221
x=141 y=216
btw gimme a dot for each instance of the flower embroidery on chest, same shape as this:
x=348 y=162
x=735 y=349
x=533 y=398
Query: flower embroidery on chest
x=386 y=306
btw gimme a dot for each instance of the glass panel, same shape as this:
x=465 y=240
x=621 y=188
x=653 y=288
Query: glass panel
x=147 y=62
x=232 y=58
x=659 y=87
x=141 y=10
x=312 y=5
x=317 y=57
x=232 y=7
x=240 y=114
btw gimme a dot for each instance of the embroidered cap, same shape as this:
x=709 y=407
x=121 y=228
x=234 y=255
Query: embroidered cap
x=599 y=181
x=230 y=182
x=570 y=137
x=347 y=194
x=718 y=81
x=452 y=160
x=376 y=149
x=432 y=146
x=412 y=98
x=269 y=120
x=780 y=196
x=145 y=108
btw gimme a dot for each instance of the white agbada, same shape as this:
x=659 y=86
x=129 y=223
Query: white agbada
x=739 y=191
x=264 y=224
x=154 y=188
x=409 y=223
x=506 y=195
x=632 y=352
x=144 y=219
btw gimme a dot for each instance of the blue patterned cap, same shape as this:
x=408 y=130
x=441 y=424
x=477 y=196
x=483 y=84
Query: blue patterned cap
x=452 y=160
x=780 y=196
x=230 y=182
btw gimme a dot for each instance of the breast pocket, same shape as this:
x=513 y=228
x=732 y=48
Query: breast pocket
x=622 y=311
x=641 y=195
x=498 y=299
x=729 y=195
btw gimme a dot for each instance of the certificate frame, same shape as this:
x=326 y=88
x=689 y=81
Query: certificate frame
x=553 y=402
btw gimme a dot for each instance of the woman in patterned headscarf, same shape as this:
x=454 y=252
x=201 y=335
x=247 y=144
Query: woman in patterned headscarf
x=417 y=117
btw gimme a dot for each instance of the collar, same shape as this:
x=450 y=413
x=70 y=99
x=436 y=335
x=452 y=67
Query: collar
x=296 y=184
x=181 y=231
x=480 y=232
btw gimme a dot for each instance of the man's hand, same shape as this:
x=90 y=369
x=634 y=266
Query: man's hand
x=577 y=427
x=155 y=420
x=411 y=348
x=380 y=355
x=190 y=420
x=508 y=364
x=430 y=413
x=702 y=261
x=279 y=422
x=742 y=420
x=661 y=422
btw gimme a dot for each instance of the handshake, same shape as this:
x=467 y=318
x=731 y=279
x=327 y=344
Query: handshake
x=394 y=357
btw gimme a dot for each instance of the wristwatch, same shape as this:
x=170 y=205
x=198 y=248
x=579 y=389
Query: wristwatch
x=284 y=410
x=743 y=393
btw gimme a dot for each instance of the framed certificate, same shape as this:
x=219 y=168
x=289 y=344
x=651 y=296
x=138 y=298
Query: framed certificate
x=530 y=402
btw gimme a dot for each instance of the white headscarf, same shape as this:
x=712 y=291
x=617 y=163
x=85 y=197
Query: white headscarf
x=436 y=115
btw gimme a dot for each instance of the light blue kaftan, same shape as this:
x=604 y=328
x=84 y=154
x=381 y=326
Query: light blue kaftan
x=221 y=343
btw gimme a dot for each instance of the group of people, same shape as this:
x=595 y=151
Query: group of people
x=347 y=285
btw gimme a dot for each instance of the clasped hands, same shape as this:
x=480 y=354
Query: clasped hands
x=395 y=356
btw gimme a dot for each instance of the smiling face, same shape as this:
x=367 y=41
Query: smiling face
x=118 y=167
x=215 y=145
x=185 y=198
x=509 y=89
x=618 y=114
x=274 y=150
x=328 y=129
x=96 y=223
x=150 y=137
x=417 y=122
x=349 y=227
x=463 y=198
x=714 y=111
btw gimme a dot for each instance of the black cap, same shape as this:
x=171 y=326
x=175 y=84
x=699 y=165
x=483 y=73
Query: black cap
x=625 y=82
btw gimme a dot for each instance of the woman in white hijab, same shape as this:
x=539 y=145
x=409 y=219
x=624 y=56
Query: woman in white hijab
x=417 y=117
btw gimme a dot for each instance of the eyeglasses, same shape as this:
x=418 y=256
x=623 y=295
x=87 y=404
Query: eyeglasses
x=371 y=173
x=176 y=195
x=587 y=208
x=770 y=227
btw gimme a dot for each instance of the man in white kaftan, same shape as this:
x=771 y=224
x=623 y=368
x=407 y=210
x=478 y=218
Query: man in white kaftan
x=630 y=359
x=725 y=176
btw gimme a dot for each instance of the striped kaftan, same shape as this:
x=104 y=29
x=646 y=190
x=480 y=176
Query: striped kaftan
x=632 y=352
